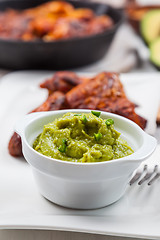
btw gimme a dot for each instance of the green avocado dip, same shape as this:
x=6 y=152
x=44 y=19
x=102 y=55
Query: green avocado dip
x=81 y=138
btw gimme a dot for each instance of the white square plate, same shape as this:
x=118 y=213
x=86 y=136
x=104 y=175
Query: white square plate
x=137 y=214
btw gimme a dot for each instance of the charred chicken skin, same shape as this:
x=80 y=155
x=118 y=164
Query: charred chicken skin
x=66 y=90
x=104 y=92
x=62 y=81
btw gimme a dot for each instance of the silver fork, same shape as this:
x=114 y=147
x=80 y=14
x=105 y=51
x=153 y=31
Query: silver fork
x=149 y=170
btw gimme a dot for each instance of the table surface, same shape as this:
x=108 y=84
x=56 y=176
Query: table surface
x=11 y=234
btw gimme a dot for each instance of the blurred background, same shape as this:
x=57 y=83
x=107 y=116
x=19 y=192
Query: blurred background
x=134 y=46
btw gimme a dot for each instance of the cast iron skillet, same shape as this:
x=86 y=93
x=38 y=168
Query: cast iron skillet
x=63 y=54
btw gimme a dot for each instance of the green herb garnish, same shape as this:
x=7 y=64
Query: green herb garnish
x=109 y=122
x=97 y=136
x=97 y=114
x=62 y=147
x=84 y=119
x=77 y=114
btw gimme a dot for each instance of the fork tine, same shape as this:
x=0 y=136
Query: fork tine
x=156 y=176
x=147 y=176
x=135 y=178
x=138 y=175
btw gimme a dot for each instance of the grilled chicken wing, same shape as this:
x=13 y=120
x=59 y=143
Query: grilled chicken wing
x=104 y=92
x=62 y=81
x=56 y=101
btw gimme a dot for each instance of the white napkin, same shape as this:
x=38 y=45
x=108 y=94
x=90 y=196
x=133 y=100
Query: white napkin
x=114 y=3
x=3 y=72
x=148 y=2
x=122 y=54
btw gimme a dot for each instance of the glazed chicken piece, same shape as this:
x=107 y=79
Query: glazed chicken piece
x=13 y=24
x=69 y=27
x=84 y=14
x=99 y=24
x=51 y=21
x=56 y=8
x=56 y=101
x=66 y=28
x=60 y=20
x=55 y=21
x=15 y=145
x=104 y=92
x=62 y=81
x=45 y=16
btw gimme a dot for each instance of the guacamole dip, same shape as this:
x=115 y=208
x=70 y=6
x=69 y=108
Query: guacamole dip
x=81 y=138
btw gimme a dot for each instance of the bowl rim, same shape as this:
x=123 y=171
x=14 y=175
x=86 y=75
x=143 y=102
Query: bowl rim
x=133 y=157
x=74 y=39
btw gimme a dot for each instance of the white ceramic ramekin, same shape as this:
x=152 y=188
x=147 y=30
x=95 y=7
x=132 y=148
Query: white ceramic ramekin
x=83 y=185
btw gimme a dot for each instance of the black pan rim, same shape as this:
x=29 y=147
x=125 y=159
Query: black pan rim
x=70 y=40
